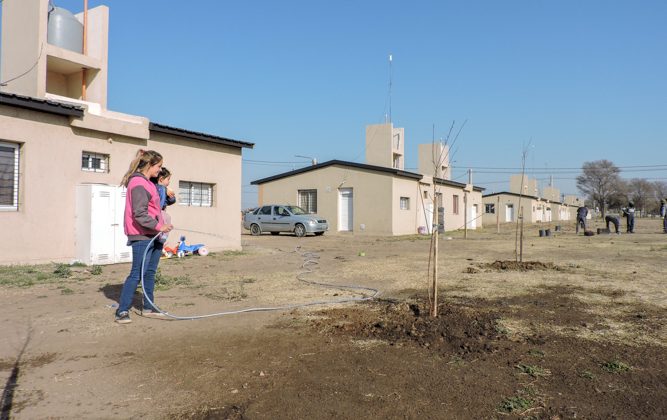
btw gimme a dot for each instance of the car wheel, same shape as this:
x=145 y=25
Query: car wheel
x=300 y=230
x=319 y=233
x=275 y=233
x=255 y=230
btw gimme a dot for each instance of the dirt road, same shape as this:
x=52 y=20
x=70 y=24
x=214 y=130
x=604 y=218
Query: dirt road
x=580 y=331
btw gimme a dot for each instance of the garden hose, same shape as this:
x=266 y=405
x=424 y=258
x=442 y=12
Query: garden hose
x=310 y=259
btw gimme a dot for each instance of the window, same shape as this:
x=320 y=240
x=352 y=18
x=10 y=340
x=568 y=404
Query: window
x=266 y=210
x=196 y=194
x=490 y=208
x=455 y=201
x=405 y=203
x=308 y=200
x=9 y=176
x=94 y=162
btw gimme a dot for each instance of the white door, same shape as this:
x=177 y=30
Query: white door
x=123 y=253
x=345 y=212
x=472 y=221
x=509 y=213
x=101 y=228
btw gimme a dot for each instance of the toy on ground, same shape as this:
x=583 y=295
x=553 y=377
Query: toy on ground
x=184 y=249
x=169 y=252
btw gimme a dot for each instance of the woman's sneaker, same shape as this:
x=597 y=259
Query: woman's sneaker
x=123 y=317
x=153 y=314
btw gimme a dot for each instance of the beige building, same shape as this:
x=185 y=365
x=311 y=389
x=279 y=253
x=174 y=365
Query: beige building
x=63 y=153
x=504 y=207
x=378 y=198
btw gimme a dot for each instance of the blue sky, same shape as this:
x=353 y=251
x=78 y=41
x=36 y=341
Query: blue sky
x=580 y=80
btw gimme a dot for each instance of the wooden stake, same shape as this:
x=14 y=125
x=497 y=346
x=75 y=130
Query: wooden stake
x=434 y=306
x=498 y=216
x=521 y=238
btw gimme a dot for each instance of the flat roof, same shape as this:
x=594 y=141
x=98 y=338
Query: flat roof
x=43 y=105
x=195 y=135
x=456 y=184
x=373 y=168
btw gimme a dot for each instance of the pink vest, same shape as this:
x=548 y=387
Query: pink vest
x=132 y=228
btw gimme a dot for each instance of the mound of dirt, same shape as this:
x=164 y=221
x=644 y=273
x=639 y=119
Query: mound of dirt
x=458 y=330
x=508 y=265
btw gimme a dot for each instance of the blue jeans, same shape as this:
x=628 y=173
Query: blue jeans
x=150 y=268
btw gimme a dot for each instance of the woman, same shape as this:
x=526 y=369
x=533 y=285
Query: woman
x=143 y=220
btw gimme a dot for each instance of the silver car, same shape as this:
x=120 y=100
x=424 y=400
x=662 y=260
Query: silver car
x=277 y=218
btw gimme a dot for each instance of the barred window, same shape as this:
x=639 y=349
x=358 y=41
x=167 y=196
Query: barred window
x=405 y=203
x=490 y=208
x=9 y=176
x=94 y=162
x=308 y=200
x=197 y=194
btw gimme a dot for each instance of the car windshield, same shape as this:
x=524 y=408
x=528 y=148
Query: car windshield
x=296 y=210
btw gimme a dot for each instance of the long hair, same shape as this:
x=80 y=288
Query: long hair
x=143 y=159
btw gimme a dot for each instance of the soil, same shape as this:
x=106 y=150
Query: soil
x=577 y=330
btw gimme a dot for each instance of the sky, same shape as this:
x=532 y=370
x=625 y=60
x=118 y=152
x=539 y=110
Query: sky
x=566 y=81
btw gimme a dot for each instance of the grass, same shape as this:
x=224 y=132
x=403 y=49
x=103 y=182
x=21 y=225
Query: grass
x=536 y=352
x=534 y=371
x=517 y=403
x=587 y=374
x=615 y=366
x=165 y=282
x=62 y=271
x=29 y=275
x=96 y=270
x=66 y=291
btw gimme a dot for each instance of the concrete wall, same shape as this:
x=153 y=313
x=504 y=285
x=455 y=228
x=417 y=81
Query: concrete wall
x=381 y=145
x=529 y=185
x=529 y=208
x=42 y=229
x=434 y=160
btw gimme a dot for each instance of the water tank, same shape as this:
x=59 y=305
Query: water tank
x=64 y=30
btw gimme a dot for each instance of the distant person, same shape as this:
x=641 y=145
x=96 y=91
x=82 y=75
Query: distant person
x=615 y=221
x=629 y=213
x=582 y=212
x=663 y=214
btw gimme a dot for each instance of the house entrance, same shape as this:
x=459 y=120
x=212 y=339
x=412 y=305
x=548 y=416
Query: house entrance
x=346 y=210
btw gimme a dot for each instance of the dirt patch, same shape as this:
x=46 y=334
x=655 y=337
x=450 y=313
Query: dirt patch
x=510 y=265
x=457 y=330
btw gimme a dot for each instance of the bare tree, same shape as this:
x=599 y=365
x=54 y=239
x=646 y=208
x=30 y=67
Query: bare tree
x=640 y=192
x=599 y=180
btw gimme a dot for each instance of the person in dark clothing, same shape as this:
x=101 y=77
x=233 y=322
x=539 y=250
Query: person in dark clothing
x=582 y=212
x=629 y=213
x=615 y=221
x=663 y=214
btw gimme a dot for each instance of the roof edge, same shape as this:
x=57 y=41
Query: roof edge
x=43 y=105
x=195 y=135
x=394 y=171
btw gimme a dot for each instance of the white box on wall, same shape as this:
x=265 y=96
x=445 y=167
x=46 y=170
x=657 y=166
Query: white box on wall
x=100 y=238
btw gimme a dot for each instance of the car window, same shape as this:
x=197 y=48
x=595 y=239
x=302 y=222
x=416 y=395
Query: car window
x=280 y=211
x=256 y=211
x=265 y=210
x=296 y=210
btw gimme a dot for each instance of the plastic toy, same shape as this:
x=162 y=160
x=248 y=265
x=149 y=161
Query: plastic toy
x=169 y=252
x=184 y=249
